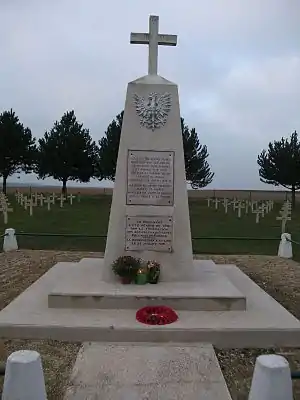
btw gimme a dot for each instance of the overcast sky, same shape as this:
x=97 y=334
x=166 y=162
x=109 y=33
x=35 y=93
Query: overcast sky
x=237 y=65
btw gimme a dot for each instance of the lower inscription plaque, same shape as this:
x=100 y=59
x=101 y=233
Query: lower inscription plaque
x=149 y=233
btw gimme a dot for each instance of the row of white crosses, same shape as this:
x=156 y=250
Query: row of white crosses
x=285 y=214
x=35 y=199
x=4 y=207
x=258 y=208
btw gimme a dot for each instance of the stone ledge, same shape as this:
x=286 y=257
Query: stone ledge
x=264 y=324
x=82 y=287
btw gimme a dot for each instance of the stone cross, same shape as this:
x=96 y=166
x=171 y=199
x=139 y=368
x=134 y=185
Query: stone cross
x=61 y=199
x=235 y=202
x=226 y=202
x=258 y=212
x=153 y=39
x=30 y=204
x=239 y=207
x=5 y=210
x=48 y=201
x=71 y=197
x=254 y=206
x=217 y=201
x=25 y=202
x=283 y=218
x=41 y=199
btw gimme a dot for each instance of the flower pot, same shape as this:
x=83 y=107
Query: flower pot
x=126 y=280
x=153 y=276
x=141 y=279
x=153 y=279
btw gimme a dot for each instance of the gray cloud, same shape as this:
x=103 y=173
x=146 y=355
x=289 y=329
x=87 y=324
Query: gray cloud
x=237 y=66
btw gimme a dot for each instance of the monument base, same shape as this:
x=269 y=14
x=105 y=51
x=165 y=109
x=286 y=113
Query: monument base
x=83 y=287
x=264 y=323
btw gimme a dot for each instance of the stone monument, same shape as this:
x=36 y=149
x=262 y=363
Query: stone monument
x=149 y=215
x=82 y=301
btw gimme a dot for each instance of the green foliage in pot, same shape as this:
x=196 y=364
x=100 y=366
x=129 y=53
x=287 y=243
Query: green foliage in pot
x=153 y=271
x=126 y=267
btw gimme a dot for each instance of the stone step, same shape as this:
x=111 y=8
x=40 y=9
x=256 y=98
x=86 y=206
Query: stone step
x=265 y=323
x=82 y=287
x=147 y=371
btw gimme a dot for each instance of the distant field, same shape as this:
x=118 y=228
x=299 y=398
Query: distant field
x=276 y=195
x=90 y=217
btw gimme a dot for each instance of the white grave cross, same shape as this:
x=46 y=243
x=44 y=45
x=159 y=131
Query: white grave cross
x=48 y=201
x=283 y=218
x=217 y=201
x=153 y=39
x=5 y=209
x=71 y=197
x=239 y=207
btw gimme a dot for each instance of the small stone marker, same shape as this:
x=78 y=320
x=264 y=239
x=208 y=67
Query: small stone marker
x=10 y=240
x=285 y=246
x=271 y=379
x=24 y=377
x=208 y=202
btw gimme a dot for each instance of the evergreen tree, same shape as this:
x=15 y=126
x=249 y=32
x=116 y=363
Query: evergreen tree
x=280 y=164
x=197 y=169
x=108 y=149
x=17 y=147
x=198 y=172
x=67 y=152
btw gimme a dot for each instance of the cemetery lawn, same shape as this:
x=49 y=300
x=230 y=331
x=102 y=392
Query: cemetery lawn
x=278 y=277
x=210 y=227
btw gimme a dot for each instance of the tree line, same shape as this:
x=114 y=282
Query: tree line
x=68 y=153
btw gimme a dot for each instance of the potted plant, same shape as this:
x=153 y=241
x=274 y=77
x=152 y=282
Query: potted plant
x=126 y=268
x=153 y=271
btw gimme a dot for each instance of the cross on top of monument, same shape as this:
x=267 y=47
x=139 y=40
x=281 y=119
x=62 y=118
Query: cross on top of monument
x=153 y=39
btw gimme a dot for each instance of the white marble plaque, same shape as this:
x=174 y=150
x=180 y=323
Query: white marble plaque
x=149 y=233
x=150 y=178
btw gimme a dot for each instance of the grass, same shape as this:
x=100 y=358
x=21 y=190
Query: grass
x=279 y=277
x=90 y=217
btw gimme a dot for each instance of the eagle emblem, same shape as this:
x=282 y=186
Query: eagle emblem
x=153 y=111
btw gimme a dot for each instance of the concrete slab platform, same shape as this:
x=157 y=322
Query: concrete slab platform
x=265 y=323
x=147 y=371
x=82 y=287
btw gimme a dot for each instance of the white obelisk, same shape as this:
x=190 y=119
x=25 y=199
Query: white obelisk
x=149 y=215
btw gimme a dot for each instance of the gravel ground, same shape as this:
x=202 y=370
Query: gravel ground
x=280 y=278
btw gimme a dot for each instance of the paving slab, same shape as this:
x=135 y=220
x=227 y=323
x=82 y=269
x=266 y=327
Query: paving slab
x=265 y=323
x=83 y=287
x=147 y=371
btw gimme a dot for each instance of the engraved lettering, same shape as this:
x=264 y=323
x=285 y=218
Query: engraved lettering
x=149 y=233
x=150 y=178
